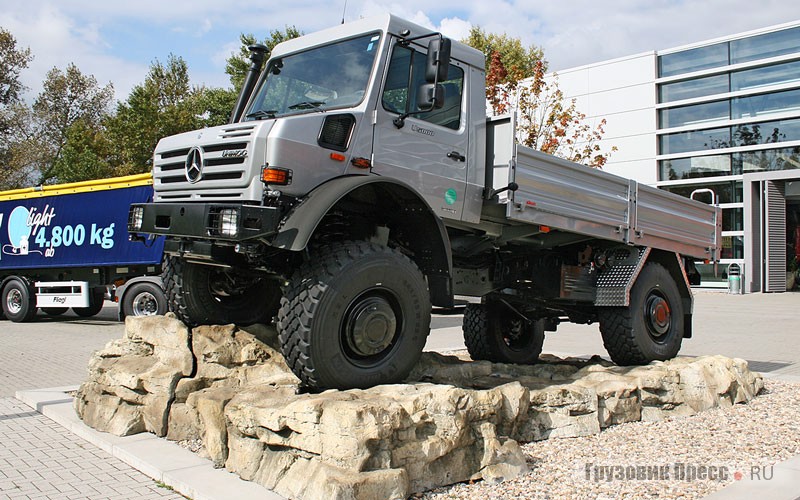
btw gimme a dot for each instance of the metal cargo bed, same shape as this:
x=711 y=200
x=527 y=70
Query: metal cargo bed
x=571 y=197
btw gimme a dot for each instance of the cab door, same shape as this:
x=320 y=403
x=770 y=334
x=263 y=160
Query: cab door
x=427 y=149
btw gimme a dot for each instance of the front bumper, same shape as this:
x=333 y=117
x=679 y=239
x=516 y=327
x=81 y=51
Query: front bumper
x=210 y=222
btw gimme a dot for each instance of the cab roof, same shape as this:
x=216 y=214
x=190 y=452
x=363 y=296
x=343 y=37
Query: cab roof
x=386 y=23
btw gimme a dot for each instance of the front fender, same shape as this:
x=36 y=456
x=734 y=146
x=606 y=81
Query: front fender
x=399 y=202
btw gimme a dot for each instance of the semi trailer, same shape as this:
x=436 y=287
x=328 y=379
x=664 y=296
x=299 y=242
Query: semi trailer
x=67 y=246
x=360 y=181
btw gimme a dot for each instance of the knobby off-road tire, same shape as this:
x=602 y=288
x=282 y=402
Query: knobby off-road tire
x=494 y=333
x=18 y=300
x=651 y=328
x=193 y=295
x=144 y=299
x=355 y=315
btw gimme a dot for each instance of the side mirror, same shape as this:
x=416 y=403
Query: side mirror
x=430 y=96
x=438 y=60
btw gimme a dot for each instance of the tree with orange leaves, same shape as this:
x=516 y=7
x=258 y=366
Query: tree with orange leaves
x=546 y=120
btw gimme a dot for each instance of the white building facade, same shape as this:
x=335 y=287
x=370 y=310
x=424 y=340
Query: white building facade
x=724 y=115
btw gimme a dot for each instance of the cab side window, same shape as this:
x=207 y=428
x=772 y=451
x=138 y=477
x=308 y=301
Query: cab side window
x=406 y=74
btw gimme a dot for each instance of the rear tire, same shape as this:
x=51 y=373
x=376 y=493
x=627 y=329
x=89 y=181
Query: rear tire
x=144 y=299
x=206 y=295
x=19 y=304
x=96 y=300
x=355 y=315
x=494 y=333
x=54 y=311
x=651 y=328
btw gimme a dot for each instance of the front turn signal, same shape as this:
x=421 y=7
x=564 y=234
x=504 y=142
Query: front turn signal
x=276 y=176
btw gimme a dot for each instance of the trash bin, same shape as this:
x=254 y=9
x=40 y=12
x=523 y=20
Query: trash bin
x=734 y=279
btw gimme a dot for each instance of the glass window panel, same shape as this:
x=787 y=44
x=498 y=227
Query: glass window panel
x=728 y=192
x=765 y=104
x=406 y=73
x=710 y=112
x=732 y=219
x=773 y=159
x=692 y=168
x=767 y=45
x=768 y=75
x=707 y=273
x=687 y=61
x=689 y=89
x=327 y=77
x=695 y=140
x=750 y=134
x=732 y=247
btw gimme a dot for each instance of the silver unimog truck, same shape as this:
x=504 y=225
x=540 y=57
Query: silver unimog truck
x=359 y=182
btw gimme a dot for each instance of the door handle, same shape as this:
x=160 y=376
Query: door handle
x=456 y=156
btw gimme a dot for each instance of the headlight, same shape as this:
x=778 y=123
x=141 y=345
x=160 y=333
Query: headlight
x=228 y=222
x=135 y=218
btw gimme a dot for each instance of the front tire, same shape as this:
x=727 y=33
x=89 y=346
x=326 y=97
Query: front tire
x=144 y=299
x=355 y=315
x=651 y=328
x=19 y=304
x=207 y=295
x=494 y=333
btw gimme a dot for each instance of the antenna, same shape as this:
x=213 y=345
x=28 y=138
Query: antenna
x=344 y=10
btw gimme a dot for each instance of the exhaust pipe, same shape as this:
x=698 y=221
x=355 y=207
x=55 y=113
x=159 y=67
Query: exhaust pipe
x=258 y=53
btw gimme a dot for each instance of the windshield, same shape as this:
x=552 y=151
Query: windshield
x=333 y=76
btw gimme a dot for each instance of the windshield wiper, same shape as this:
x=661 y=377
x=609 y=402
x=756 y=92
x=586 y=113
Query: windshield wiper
x=262 y=113
x=307 y=105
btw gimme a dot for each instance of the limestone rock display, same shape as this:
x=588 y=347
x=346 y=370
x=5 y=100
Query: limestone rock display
x=453 y=420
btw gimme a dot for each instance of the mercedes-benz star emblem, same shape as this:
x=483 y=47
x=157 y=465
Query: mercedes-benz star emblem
x=194 y=165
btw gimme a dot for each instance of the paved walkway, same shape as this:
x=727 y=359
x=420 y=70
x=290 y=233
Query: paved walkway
x=40 y=458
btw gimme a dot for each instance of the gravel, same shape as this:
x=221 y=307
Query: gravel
x=720 y=444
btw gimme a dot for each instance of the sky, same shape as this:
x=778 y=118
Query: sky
x=117 y=40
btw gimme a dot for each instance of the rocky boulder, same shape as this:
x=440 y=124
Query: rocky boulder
x=453 y=420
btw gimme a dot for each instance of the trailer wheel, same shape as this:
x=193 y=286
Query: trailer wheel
x=651 y=328
x=54 y=311
x=19 y=304
x=354 y=315
x=495 y=334
x=206 y=295
x=144 y=299
x=96 y=300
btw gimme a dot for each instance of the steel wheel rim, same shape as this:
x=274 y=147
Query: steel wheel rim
x=14 y=301
x=370 y=327
x=657 y=315
x=145 y=304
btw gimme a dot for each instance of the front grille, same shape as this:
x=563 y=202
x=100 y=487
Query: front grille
x=222 y=161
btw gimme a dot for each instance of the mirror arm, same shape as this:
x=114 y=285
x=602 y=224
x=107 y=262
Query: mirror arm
x=400 y=121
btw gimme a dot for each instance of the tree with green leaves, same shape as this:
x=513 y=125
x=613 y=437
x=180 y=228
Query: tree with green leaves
x=68 y=97
x=237 y=64
x=513 y=53
x=161 y=106
x=12 y=61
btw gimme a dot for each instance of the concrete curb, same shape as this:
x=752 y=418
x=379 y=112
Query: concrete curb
x=161 y=460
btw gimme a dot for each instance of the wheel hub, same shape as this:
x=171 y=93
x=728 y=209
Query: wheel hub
x=14 y=301
x=659 y=315
x=371 y=326
x=145 y=304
